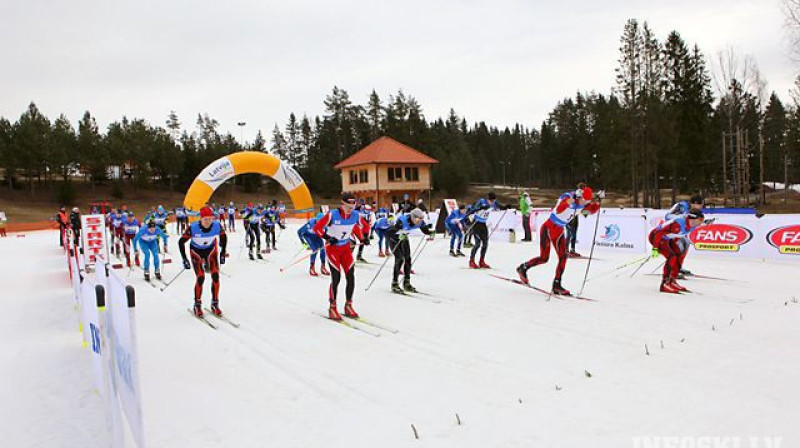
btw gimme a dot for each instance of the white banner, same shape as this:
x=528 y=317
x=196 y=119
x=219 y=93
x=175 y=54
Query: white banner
x=780 y=237
x=124 y=353
x=615 y=232
x=502 y=222
x=93 y=234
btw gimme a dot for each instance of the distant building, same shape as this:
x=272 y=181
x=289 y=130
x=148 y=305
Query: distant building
x=386 y=170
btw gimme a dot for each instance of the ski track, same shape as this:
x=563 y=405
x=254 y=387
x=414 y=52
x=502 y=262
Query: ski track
x=512 y=364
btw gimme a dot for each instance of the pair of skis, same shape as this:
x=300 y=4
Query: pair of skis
x=361 y=324
x=541 y=290
x=221 y=317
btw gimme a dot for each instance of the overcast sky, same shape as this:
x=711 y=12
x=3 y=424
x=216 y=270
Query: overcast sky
x=258 y=60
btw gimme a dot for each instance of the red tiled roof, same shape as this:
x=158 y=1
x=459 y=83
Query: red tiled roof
x=386 y=150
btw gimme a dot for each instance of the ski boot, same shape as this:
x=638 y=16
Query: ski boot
x=408 y=287
x=677 y=285
x=472 y=264
x=251 y=255
x=559 y=290
x=260 y=257
x=381 y=254
x=460 y=254
x=147 y=276
x=333 y=313
x=324 y=270
x=522 y=271
x=667 y=287
x=361 y=259
x=215 y=308
x=483 y=265
x=312 y=272
x=396 y=288
x=198 y=309
x=686 y=272
x=453 y=253
x=158 y=274
x=349 y=311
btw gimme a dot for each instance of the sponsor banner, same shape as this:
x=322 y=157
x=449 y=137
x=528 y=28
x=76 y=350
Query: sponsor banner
x=124 y=355
x=450 y=205
x=720 y=237
x=729 y=236
x=93 y=235
x=538 y=216
x=615 y=232
x=287 y=177
x=503 y=222
x=217 y=173
x=780 y=236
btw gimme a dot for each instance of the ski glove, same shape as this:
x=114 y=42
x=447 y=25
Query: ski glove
x=366 y=241
x=601 y=194
x=654 y=253
x=222 y=257
x=331 y=240
x=186 y=264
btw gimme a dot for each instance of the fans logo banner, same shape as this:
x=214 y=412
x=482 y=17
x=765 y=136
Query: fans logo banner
x=720 y=238
x=785 y=239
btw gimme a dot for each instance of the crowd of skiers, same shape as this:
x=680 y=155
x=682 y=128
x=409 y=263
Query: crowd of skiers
x=334 y=236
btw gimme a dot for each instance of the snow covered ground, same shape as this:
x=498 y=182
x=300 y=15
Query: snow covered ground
x=516 y=369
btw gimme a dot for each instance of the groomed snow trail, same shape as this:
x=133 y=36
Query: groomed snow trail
x=518 y=369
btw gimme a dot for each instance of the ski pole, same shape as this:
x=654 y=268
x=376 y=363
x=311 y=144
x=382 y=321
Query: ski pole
x=166 y=285
x=384 y=264
x=497 y=225
x=419 y=253
x=591 y=252
x=305 y=257
x=640 y=266
x=622 y=266
x=657 y=267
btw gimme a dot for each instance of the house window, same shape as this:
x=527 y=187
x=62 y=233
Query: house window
x=395 y=174
x=363 y=176
x=412 y=173
x=353 y=177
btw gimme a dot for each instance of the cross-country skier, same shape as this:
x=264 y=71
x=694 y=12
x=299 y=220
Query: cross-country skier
x=160 y=217
x=480 y=213
x=397 y=238
x=204 y=249
x=572 y=231
x=335 y=228
x=552 y=232
x=453 y=222
x=117 y=231
x=381 y=226
x=669 y=239
x=254 y=222
x=365 y=213
x=231 y=217
x=310 y=240
x=181 y=220
x=130 y=226
x=147 y=238
x=680 y=210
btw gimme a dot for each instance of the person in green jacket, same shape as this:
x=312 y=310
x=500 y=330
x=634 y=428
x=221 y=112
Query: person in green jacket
x=525 y=208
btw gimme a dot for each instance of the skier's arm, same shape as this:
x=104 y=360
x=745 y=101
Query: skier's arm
x=136 y=239
x=592 y=207
x=319 y=227
x=223 y=242
x=187 y=234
